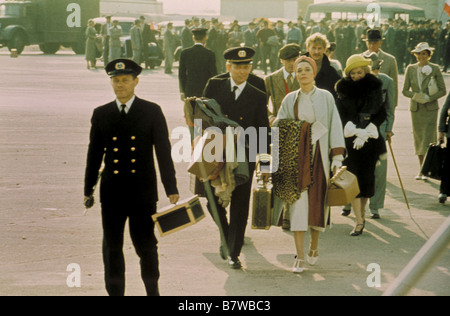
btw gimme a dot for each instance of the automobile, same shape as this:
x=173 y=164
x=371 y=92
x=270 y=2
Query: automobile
x=126 y=23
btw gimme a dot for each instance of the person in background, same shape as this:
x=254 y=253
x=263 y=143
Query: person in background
x=331 y=54
x=197 y=66
x=423 y=106
x=147 y=37
x=374 y=40
x=115 y=45
x=360 y=104
x=283 y=81
x=91 y=48
x=106 y=37
x=377 y=201
x=136 y=41
x=327 y=76
x=444 y=132
x=263 y=36
x=294 y=35
x=317 y=108
x=186 y=35
x=169 y=48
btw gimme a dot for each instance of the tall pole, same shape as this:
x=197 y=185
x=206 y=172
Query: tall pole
x=422 y=261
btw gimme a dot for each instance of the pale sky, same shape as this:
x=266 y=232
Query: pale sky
x=190 y=6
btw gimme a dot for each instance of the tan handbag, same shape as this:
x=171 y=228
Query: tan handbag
x=343 y=188
x=432 y=87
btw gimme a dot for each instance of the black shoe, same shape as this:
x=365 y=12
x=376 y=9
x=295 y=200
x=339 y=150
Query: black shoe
x=357 y=232
x=345 y=212
x=222 y=253
x=375 y=216
x=442 y=198
x=234 y=263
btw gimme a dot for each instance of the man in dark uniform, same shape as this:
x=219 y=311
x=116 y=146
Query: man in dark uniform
x=246 y=105
x=123 y=135
x=197 y=65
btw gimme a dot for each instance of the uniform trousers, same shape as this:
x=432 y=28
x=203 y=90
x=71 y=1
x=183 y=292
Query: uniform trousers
x=377 y=200
x=445 y=180
x=234 y=230
x=141 y=227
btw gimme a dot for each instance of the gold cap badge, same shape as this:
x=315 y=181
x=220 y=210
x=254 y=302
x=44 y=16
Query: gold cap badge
x=120 y=66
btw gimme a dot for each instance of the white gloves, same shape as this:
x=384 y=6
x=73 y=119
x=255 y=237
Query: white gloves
x=362 y=134
x=421 y=98
x=358 y=143
x=336 y=163
x=349 y=129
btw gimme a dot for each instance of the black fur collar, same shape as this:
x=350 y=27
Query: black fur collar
x=354 y=89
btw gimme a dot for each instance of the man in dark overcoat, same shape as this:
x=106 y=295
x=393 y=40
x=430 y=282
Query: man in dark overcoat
x=197 y=65
x=246 y=105
x=123 y=135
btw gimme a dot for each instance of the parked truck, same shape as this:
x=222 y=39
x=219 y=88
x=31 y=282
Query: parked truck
x=47 y=23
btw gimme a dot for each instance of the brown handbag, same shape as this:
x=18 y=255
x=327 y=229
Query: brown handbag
x=343 y=188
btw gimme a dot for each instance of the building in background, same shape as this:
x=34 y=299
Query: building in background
x=131 y=6
x=246 y=10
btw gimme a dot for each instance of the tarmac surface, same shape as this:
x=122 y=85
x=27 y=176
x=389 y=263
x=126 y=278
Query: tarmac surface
x=46 y=103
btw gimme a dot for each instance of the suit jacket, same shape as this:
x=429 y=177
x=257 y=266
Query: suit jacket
x=389 y=67
x=411 y=86
x=136 y=38
x=327 y=77
x=443 y=118
x=250 y=39
x=249 y=110
x=253 y=79
x=116 y=33
x=276 y=90
x=126 y=146
x=197 y=65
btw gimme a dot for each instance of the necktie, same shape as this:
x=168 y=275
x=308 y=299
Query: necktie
x=123 y=113
x=290 y=82
x=234 y=92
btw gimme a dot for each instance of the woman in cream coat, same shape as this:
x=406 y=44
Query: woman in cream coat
x=317 y=107
x=424 y=105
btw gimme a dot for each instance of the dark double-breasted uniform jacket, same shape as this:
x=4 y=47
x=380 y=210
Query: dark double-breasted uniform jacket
x=126 y=145
x=249 y=110
x=197 y=65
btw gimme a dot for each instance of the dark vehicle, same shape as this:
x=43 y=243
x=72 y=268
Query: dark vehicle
x=126 y=23
x=48 y=23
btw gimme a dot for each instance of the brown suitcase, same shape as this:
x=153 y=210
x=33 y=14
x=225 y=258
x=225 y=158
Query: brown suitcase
x=174 y=218
x=262 y=198
x=262 y=206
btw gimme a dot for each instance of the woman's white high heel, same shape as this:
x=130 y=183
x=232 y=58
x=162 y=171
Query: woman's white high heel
x=298 y=266
x=314 y=257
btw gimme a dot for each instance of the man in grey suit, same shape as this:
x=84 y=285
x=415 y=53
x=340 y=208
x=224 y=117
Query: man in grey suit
x=282 y=81
x=377 y=200
x=106 y=38
x=115 y=48
x=136 y=41
x=374 y=41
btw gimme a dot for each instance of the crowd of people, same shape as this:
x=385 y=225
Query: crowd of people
x=340 y=115
x=351 y=116
x=347 y=37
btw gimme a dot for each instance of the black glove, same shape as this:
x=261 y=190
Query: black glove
x=89 y=202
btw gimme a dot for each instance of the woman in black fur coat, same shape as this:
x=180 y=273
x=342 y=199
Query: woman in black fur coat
x=362 y=112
